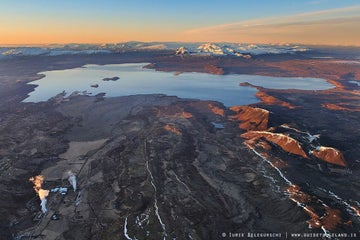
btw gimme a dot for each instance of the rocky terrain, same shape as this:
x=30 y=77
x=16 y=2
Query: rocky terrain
x=160 y=167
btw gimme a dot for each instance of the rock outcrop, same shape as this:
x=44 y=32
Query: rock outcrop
x=216 y=110
x=172 y=129
x=251 y=118
x=330 y=155
x=111 y=79
x=286 y=143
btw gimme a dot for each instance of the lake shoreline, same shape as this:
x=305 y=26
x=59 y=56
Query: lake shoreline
x=135 y=79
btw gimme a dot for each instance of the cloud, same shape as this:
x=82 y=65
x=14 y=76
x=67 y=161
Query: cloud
x=334 y=26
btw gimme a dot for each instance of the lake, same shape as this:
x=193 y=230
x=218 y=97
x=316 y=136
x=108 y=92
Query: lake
x=134 y=79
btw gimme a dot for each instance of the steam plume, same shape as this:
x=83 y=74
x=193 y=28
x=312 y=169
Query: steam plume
x=38 y=181
x=72 y=180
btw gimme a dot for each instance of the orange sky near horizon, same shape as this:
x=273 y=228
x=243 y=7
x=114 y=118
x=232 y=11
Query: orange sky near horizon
x=326 y=35
x=340 y=26
x=50 y=35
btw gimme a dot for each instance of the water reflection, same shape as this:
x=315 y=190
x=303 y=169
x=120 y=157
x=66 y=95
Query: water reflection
x=134 y=79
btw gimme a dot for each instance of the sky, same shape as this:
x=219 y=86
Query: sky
x=326 y=22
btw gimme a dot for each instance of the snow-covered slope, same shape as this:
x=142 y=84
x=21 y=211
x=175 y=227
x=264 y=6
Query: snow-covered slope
x=270 y=49
x=23 y=51
x=36 y=51
x=154 y=47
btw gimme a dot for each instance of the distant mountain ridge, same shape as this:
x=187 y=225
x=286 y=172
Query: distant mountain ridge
x=219 y=49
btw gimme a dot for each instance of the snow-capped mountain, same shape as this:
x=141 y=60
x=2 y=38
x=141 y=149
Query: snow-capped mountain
x=181 y=51
x=239 y=50
x=210 y=48
x=213 y=49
